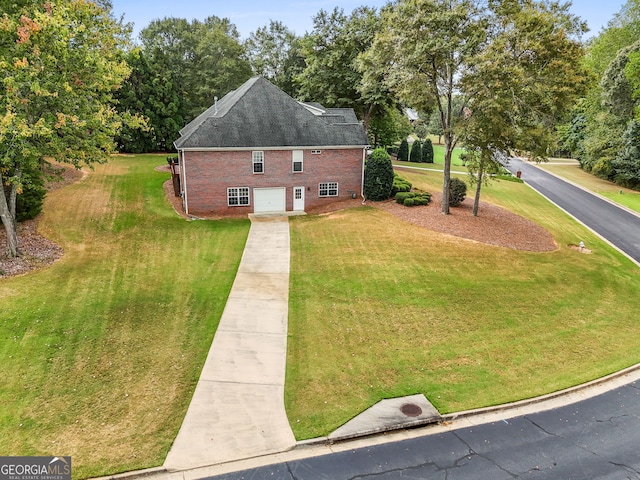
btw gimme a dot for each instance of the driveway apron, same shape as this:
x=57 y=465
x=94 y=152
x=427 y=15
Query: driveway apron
x=237 y=410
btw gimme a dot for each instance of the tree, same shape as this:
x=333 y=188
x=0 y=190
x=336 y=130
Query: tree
x=331 y=75
x=427 y=151
x=435 y=125
x=61 y=64
x=420 y=129
x=203 y=59
x=425 y=46
x=520 y=83
x=387 y=126
x=627 y=164
x=403 y=151
x=270 y=50
x=378 y=176
x=416 y=152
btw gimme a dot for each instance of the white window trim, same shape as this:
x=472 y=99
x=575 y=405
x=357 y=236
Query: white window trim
x=257 y=157
x=299 y=160
x=238 y=196
x=316 y=152
x=327 y=188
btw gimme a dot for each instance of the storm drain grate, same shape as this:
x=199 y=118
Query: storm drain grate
x=411 y=410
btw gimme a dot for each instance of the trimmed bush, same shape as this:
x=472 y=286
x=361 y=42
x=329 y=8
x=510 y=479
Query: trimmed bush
x=427 y=151
x=410 y=199
x=457 y=192
x=403 y=151
x=416 y=152
x=402 y=196
x=378 y=176
x=399 y=185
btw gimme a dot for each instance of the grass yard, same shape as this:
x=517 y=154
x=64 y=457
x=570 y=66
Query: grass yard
x=380 y=308
x=101 y=352
x=624 y=196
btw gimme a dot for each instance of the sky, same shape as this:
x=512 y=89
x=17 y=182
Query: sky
x=249 y=15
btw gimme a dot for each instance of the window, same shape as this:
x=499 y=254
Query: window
x=258 y=162
x=316 y=152
x=328 y=189
x=297 y=161
x=238 y=196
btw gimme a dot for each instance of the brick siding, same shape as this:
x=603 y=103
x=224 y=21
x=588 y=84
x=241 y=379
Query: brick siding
x=209 y=174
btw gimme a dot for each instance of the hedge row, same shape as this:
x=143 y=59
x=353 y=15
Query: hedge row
x=410 y=199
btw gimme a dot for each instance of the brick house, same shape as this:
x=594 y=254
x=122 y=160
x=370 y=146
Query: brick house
x=259 y=150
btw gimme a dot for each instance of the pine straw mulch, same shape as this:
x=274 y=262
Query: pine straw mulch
x=493 y=226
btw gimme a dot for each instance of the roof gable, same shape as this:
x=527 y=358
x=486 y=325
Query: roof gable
x=258 y=114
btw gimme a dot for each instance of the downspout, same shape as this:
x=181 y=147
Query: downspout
x=364 y=158
x=185 y=200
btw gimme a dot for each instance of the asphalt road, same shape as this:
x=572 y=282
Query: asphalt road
x=593 y=439
x=615 y=224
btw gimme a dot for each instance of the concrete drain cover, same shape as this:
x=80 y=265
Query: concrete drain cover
x=411 y=410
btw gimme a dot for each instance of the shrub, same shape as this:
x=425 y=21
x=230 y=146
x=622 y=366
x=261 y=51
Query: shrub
x=378 y=176
x=402 y=196
x=457 y=192
x=29 y=202
x=410 y=199
x=172 y=159
x=403 y=151
x=416 y=152
x=427 y=151
x=399 y=185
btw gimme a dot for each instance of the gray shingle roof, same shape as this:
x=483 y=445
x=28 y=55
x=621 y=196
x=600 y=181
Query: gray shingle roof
x=258 y=114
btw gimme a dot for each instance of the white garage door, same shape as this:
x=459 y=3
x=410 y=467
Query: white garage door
x=269 y=200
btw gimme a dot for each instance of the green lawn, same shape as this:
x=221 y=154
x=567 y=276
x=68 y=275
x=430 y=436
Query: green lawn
x=624 y=196
x=101 y=352
x=380 y=308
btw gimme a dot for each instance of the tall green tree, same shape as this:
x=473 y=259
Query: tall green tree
x=415 y=155
x=427 y=151
x=521 y=82
x=273 y=53
x=499 y=72
x=331 y=75
x=60 y=64
x=205 y=59
x=423 y=47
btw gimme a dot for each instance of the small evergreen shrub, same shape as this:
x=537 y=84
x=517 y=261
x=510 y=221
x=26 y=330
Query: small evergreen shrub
x=402 y=196
x=399 y=185
x=378 y=176
x=403 y=151
x=410 y=199
x=416 y=152
x=29 y=202
x=457 y=192
x=427 y=151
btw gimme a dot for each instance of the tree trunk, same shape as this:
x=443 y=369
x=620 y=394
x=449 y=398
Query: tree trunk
x=9 y=223
x=476 y=201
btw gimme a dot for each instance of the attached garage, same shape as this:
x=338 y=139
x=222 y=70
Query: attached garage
x=269 y=200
